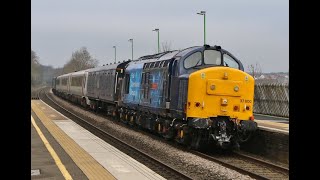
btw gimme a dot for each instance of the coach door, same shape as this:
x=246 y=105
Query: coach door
x=83 y=84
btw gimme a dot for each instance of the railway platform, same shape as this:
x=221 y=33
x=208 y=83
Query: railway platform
x=272 y=123
x=62 y=149
x=45 y=151
x=271 y=141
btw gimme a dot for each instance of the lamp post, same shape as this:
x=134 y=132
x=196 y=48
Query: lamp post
x=204 y=24
x=131 y=40
x=157 y=30
x=115 y=54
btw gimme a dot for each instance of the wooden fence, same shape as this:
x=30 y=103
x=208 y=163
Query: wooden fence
x=271 y=99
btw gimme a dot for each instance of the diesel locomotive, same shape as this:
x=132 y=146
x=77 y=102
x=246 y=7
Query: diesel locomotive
x=199 y=96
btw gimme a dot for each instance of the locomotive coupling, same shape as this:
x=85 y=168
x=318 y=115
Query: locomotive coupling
x=200 y=123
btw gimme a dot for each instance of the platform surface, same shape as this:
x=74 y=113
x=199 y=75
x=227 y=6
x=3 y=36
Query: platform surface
x=272 y=123
x=94 y=157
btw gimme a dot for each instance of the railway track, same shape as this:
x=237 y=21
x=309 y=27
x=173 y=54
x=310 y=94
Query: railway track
x=35 y=93
x=245 y=164
x=242 y=163
x=161 y=168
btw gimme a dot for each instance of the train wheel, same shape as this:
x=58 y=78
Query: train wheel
x=132 y=120
x=244 y=136
x=114 y=114
x=94 y=107
x=168 y=132
x=183 y=136
x=197 y=141
x=82 y=102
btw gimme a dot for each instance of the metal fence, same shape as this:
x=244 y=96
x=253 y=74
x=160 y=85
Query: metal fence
x=271 y=99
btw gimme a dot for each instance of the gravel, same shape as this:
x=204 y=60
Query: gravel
x=188 y=163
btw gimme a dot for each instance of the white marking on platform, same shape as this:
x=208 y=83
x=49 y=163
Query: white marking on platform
x=274 y=129
x=43 y=107
x=52 y=115
x=120 y=165
x=35 y=172
x=271 y=116
x=272 y=120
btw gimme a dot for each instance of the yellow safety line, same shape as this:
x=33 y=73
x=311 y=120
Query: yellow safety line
x=54 y=155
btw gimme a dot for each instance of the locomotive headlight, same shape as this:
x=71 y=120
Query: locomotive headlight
x=224 y=101
x=236 y=88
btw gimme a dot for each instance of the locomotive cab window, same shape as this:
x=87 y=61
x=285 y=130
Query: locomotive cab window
x=212 y=57
x=193 y=60
x=230 y=62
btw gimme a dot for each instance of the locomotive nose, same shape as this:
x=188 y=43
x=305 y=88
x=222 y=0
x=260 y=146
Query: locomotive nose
x=220 y=91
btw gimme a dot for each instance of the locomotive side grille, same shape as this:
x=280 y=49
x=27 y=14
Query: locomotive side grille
x=183 y=88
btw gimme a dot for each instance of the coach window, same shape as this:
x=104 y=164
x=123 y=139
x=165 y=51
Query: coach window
x=212 y=57
x=230 y=62
x=193 y=60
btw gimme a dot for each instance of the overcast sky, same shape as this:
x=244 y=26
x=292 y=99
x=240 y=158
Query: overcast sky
x=253 y=31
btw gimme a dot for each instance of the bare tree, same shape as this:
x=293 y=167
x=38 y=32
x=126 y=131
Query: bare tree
x=35 y=69
x=80 y=60
x=58 y=71
x=166 y=46
x=255 y=70
x=34 y=57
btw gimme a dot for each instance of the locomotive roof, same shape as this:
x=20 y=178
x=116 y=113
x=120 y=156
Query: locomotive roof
x=167 y=55
x=183 y=52
x=100 y=68
x=170 y=54
x=64 y=75
x=73 y=73
x=79 y=72
x=195 y=48
x=148 y=58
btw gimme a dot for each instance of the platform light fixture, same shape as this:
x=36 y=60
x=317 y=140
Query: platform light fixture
x=157 y=30
x=115 y=54
x=131 y=40
x=204 y=24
